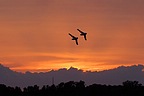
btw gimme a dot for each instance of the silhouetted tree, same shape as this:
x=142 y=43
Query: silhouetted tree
x=80 y=87
x=52 y=90
x=131 y=88
x=131 y=84
x=4 y=91
x=31 y=90
x=80 y=84
x=45 y=90
x=71 y=88
x=17 y=91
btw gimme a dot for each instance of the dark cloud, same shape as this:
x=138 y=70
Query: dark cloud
x=114 y=76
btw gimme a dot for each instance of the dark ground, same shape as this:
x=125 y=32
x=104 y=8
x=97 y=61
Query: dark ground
x=71 y=88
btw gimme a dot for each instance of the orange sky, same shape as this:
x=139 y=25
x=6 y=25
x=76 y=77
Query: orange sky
x=34 y=34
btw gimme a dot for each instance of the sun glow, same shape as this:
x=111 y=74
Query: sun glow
x=34 y=35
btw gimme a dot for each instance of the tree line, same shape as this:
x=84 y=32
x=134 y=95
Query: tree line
x=72 y=88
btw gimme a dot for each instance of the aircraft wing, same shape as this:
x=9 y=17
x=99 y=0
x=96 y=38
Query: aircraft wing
x=80 y=31
x=71 y=35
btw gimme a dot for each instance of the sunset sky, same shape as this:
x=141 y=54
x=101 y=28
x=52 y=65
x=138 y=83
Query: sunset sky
x=34 y=34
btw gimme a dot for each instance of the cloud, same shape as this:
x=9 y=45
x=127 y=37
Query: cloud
x=110 y=77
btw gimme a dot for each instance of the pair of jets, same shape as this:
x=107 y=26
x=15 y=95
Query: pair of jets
x=76 y=38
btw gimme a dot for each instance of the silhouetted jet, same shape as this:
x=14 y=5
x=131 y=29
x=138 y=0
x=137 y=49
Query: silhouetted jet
x=83 y=34
x=74 y=38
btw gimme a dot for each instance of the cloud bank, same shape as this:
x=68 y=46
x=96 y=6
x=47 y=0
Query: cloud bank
x=114 y=76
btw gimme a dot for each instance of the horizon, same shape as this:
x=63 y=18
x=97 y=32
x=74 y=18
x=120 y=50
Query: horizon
x=34 y=34
x=109 y=77
x=67 y=69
